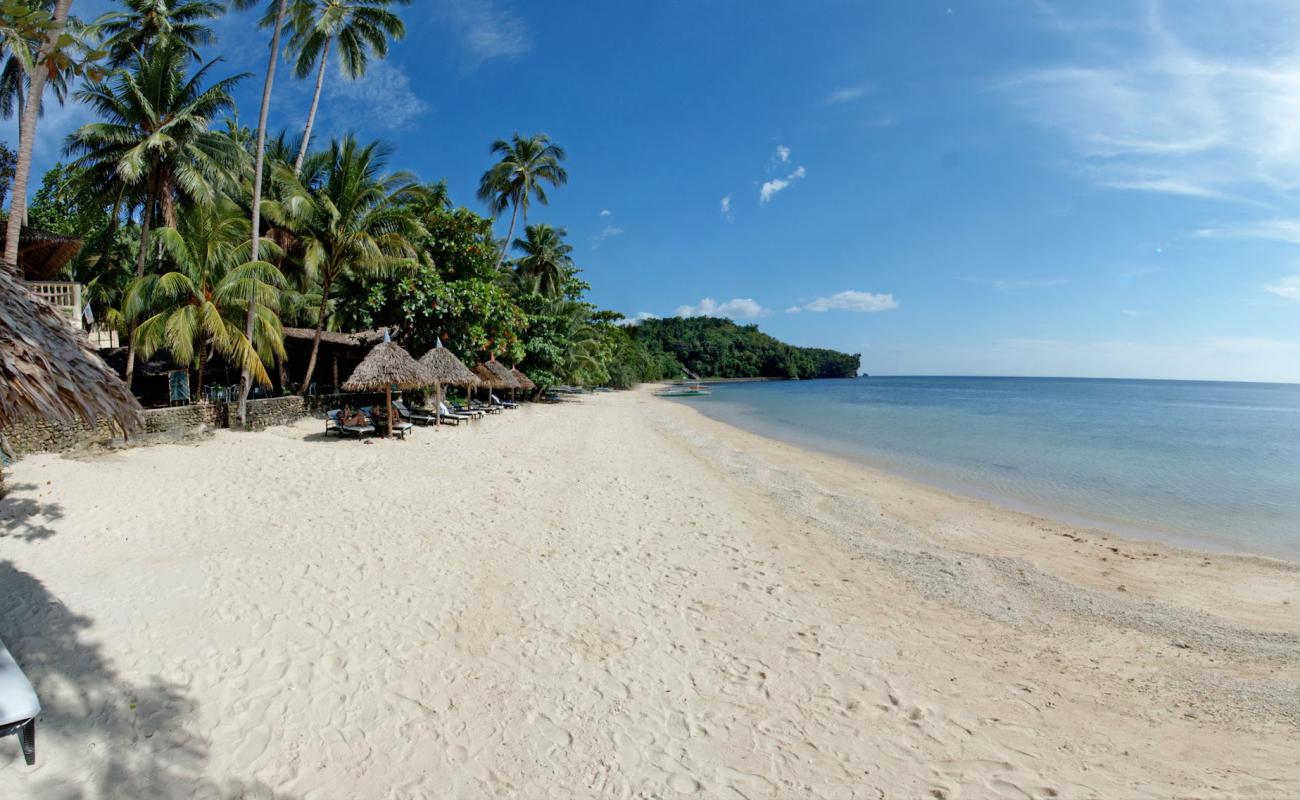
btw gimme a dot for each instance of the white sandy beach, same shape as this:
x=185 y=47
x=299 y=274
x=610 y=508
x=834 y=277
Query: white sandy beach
x=615 y=597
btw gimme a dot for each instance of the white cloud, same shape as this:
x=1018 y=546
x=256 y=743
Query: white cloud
x=726 y=208
x=737 y=308
x=793 y=310
x=488 y=31
x=608 y=232
x=641 y=316
x=770 y=188
x=605 y=212
x=384 y=92
x=1287 y=287
x=1195 y=104
x=847 y=94
x=782 y=153
x=864 y=302
x=1280 y=230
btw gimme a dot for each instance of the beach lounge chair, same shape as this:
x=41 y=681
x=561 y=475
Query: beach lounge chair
x=332 y=424
x=419 y=416
x=400 y=426
x=504 y=403
x=18 y=705
x=447 y=415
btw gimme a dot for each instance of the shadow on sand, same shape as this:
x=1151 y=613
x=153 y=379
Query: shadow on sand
x=99 y=735
x=19 y=515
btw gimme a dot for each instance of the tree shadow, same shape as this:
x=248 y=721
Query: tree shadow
x=99 y=735
x=27 y=518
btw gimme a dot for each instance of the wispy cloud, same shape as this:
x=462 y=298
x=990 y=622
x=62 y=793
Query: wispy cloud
x=1279 y=230
x=849 y=300
x=605 y=212
x=782 y=154
x=737 y=308
x=384 y=94
x=1018 y=284
x=1174 y=103
x=641 y=316
x=607 y=233
x=1287 y=287
x=726 y=209
x=488 y=30
x=848 y=94
x=769 y=189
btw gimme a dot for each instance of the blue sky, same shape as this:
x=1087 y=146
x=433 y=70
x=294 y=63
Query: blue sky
x=1015 y=188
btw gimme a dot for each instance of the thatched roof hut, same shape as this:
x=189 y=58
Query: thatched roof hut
x=493 y=379
x=446 y=368
x=384 y=367
x=42 y=255
x=508 y=380
x=524 y=381
x=355 y=339
x=47 y=369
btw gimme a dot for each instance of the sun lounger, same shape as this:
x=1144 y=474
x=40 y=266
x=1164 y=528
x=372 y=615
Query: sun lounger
x=419 y=416
x=18 y=706
x=447 y=415
x=504 y=403
x=332 y=424
x=400 y=426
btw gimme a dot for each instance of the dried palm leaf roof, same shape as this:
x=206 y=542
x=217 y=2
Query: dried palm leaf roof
x=42 y=255
x=445 y=368
x=489 y=378
x=387 y=365
x=504 y=379
x=355 y=339
x=47 y=369
x=524 y=381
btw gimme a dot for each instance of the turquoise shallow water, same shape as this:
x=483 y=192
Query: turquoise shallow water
x=1210 y=465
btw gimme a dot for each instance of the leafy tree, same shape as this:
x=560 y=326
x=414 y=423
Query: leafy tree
x=8 y=159
x=198 y=306
x=712 y=347
x=546 y=261
x=143 y=26
x=360 y=29
x=515 y=179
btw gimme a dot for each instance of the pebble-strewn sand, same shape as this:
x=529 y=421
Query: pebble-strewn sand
x=615 y=598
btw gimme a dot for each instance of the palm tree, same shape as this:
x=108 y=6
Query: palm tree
x=18 y=52
x=53 y=31
x=350 y=218
x=198 y=306
x=546 y=262
x=360 y=28
x=277 y=24
x=514 y=180
x=144 y=25
x=156 y=135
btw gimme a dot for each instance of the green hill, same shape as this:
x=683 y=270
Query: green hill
x=719 y=348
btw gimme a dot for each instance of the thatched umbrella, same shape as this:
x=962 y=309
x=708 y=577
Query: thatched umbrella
x=524 y=381
x=48 y=371
x=43 y=254
x=498 y=377
x=384 y=367
x=445 y=368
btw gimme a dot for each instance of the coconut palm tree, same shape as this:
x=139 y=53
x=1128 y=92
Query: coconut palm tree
x=275 y=16
x=359 y=28
x=546 y=262
x=145 y=25
x=156 y=135
x=518 y=177
x=349 y=217
x=198 y=306
x=31 y=26
x=18 y=53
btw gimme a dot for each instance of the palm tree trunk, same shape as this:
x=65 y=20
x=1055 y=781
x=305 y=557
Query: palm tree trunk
x=27 y=138
x=315 y=341
x=246 y=378
x=203 y=357
x=146 y=218
x=509 y=235
x=315 y=103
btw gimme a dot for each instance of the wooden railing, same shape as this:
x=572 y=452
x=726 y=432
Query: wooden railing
x=63 y=295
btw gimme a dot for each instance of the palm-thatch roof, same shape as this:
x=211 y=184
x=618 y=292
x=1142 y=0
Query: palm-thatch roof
x=446 y=369
x=385 y=366
x=489 y=378
x=42 y=255
x=524 y=381
x=355 y=339
x=47 y=369
x=503 y=378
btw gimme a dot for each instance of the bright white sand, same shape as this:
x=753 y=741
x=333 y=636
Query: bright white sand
x=615 y=598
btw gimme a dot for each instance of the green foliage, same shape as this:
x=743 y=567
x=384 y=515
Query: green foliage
x=719 y=348
x=8 y=161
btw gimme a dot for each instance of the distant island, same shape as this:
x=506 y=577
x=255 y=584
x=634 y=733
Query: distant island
x=719 y=348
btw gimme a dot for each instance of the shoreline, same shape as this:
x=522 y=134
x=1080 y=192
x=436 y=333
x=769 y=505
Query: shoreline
x=615 y=597
x=1202 y=542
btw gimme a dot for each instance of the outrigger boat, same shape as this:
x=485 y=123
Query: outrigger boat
x=686 y=390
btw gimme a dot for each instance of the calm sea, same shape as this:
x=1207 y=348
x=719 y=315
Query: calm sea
x=1211 y=465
